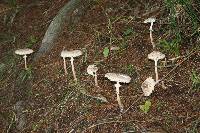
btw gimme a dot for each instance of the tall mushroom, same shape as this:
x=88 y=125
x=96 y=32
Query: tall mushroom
x=156 y=55
x=151 y=20
x=24 y=52
x=71 y=54
x=119 y=78
x=92 y=70
x=148 y=86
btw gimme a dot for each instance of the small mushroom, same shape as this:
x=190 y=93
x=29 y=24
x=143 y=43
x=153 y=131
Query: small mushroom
x=148 y=86
x=151 y=20
x=71 y=54
x=92 y=70
x=24 y=52
x=119 y=78
x=156 y=55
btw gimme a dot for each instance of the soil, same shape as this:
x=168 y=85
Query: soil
x=54 y=103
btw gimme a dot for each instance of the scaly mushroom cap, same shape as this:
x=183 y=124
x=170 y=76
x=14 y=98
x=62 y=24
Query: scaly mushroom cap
x=91 y=69
x=73 y=53
x=117 y=77
x=24 y=51
x=148 y=86
x=150 y=20
x=156 y=55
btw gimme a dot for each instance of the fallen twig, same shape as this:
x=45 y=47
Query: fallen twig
x=107 y=122
x=11 y=123
x=186 y=57
x=133 y=104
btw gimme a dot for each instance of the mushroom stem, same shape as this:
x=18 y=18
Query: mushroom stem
x=65 y=67
x=118 y=97
x=151 y=37
x=156 y=70
x=151 y=27
x=25 y=62
x=95 y=79
x=73 y=71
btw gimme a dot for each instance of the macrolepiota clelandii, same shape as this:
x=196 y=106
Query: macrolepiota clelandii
x=24 y=52
x=92 y=70
x=156 y=55
x=71 y=54
x=119 y=78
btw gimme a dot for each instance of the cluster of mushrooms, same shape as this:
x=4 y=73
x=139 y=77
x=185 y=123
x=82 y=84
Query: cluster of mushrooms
x=147 y=86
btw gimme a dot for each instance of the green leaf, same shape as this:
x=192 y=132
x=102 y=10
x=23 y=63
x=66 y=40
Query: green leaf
x=145 y=108
x=195 y=79
x=128 y=31
x=33 y=39
x=170 y=46
x=106 y=52
x=25 y=75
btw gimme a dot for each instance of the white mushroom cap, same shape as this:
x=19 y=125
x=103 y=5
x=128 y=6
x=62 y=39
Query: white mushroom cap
x=148 y=86
x=118 y=77
x=150 y=20
x=156 y=55
x=73 y=53
x=24 y=51
x=91 y=69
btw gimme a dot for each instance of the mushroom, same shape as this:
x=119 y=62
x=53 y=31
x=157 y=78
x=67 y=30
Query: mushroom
x=24 y=52
x=151 y=20
x=119 y=78
x=71 y=54
x=156 y=55
x=92 y=70
x=148 y=86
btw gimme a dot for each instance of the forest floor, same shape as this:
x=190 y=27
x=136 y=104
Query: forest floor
x=54 y=103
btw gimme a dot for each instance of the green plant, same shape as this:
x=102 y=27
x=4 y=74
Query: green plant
x=194 y=128
x=31 y=41
x=96 y=1
x=172 y=47
x=145 y=108
x=161 y=105
x=11 y=13
x=25 y=75
x=110 y=28
x=188 y=7
x=106 y=52
x=128 y=32
x=7 y=65
x=179 y=11
x=2 y=70
x=11 y=2
x=37 y=125
x=109 y=38
x=195 y=80
x=7 y=38
x=130 y=69
x=129 y=128
x=171 y=6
